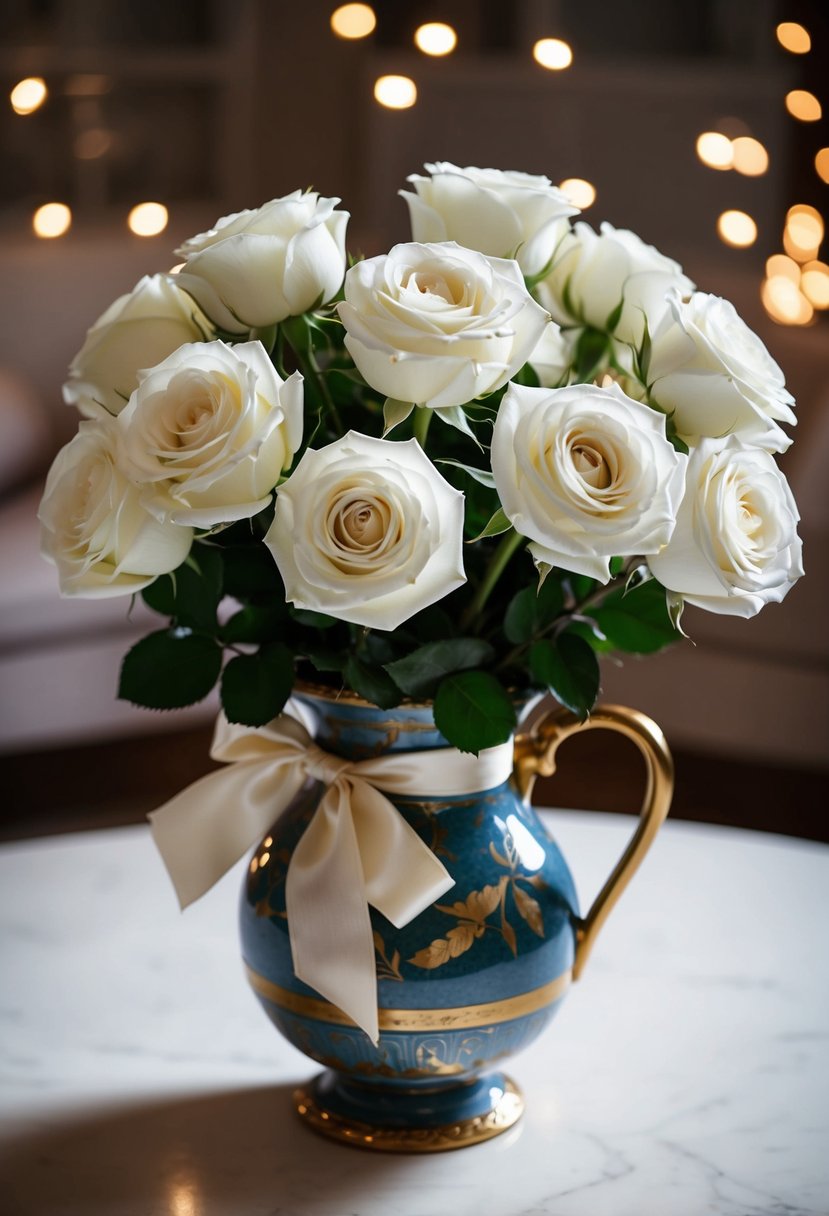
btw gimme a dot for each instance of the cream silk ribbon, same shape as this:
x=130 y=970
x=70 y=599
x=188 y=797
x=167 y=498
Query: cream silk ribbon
x=357 y=850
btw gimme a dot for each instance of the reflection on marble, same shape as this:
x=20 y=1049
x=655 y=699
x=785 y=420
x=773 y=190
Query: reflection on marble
x=687 y=1073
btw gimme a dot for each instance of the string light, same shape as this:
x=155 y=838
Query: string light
x=581 y=193
x=28 y=95
x=395 y=92
x=737 y=228
x=822 y=164
x=815 y=284
x=780 y=266
x=750 y=157
x=803 y=232
x=784 y=302
x=435 y=38
x=715 y=150
x=52 y=220
x=147 y=219
x=793 y=37
x=553 y=53
x=803 y=105
x=353 y=21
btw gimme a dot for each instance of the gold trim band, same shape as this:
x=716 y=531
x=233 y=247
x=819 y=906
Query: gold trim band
x=461 y=1017
x=506 y=1111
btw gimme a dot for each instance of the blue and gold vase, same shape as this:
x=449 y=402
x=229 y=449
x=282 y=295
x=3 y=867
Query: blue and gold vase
x=475 y=977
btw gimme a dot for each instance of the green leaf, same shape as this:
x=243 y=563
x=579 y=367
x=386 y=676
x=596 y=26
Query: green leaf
x=372 y=682
x=473 y=711
x=255 y=687
x=637 y=621
x=190 y=594
x=532 y=609
x=170 y=669
x=249 y=570
x=395 y=412
x=568 y=667
x=255 y=623
x=591 y=350
x=419 y=672
x=615 y=317
x=316 y=620
x=434 y=624
x=325 y=659
x=454 y=415
x=484 y=476
x=497 y=524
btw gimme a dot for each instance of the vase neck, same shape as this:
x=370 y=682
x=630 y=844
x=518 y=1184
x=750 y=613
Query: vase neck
x=357 y=730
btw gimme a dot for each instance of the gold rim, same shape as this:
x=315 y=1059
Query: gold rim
x=506 y=1111
x=461 y=1017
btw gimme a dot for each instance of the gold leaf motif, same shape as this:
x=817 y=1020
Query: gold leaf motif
x=442 y=949
x=496 y=856
x=478 y=904
x=529 y=908
x=509 y=936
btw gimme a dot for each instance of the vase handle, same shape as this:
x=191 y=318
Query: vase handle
x=535 y=757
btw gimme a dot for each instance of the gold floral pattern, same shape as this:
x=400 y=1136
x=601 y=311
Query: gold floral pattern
x=472 y=914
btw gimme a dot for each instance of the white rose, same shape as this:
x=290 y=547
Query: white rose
x=256 y=268
x=735 y=546
x=94 y=527
x=209 y=431
x=504 y=214
x=368 y=531
x=137 y=331
x=715 y=376
x=593 y=273
x=438 y=325
x=553 y=356
x=586 y=474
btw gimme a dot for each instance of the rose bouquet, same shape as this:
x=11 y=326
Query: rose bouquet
x=468 y=467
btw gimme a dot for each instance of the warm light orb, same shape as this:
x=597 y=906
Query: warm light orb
x=715 y=150
x=750 y=157
x=553 y=53
x=395 y=92
x=803 y=232
x=51 y=220
x=353 y=21
x=784 y=302
x=737 y=228
x=779 y=266
x=148 y=219
x=815 y=284
x=435 y=38
x=28 y=95
x=793 y=37
x=93 y=143
x=803 y=105
x=581 y=193
x=822 y=164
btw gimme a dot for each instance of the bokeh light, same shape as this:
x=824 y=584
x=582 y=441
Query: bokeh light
x=395 y=92
x=93 y=143
x=715 y=150
x=794 y=37
x=737 y=228
x=553 y=53
x=822 y=164
x=28 y=95
x=780 y=266
x=435 y=38
x=51 y=220
x=581 y=193
x=803 y=105
x=803 y=232
x=784 y=302
x=750 y=157
x=814 y=284
x=147 y=219
x=353 y=21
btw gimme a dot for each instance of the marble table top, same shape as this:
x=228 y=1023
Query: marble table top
x=686 y=1074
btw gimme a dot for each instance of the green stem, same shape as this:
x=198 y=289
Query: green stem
x=421 y=424
x=307 y=364
x=510 y=541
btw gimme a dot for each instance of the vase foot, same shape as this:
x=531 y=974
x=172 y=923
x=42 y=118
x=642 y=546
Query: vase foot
x=410 y=1121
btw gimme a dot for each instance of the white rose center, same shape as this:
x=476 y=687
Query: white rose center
x=592 y=466
x=361 y=531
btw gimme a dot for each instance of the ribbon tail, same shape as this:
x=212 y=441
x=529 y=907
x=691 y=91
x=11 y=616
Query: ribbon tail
x=206 y=828
x=403 y=876
x=331 y=937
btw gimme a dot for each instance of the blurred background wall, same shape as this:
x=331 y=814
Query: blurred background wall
x=206 y=108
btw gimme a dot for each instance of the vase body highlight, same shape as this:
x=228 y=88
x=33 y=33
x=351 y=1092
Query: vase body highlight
x=468 y=982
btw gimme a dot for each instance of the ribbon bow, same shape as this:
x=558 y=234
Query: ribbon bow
x=357 y=850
